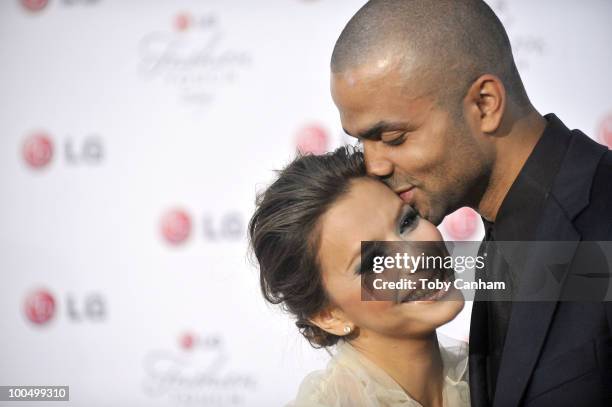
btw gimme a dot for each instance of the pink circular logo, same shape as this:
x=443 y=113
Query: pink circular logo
x=34 y=5
x=605 y=131
x=462 y=223
x=187 y=341
x=176 y=226
x=182 y=21
x=312 y=139
x=39 y=306
x=38 y=150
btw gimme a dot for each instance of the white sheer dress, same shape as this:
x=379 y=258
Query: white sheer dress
x=350 y=379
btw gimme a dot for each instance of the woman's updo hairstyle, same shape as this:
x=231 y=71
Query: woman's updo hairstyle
x=284 y=236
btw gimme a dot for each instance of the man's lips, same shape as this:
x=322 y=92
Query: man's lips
x=406 y=195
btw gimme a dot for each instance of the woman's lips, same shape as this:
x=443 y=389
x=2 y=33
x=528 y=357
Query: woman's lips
x=427 y=294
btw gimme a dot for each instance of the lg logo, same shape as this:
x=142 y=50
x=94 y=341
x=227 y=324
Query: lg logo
x=38 y=5
x=189 y=340
x=38 y=150
x=228 y=227
x=88 y=150
x=176 y=226
x=312 y=139
x=605 y=131
x=34 y=5
x=184 y=21
x=40 y=307
x=90 y=307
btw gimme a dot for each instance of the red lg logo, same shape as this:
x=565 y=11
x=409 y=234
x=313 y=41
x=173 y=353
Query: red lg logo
x=191 y=340
x=39 y=306
x=176 y=226
x=34 y=5
x=605 y=131
x=38 y=150
x=462 y=223
x=187 y=340
x=182 y=21
x=312 y=139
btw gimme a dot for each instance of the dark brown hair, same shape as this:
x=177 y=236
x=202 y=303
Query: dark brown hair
x=283 y=233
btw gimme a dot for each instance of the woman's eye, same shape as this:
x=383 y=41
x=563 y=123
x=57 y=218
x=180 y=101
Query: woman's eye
x=367 y=262
x=408 y=221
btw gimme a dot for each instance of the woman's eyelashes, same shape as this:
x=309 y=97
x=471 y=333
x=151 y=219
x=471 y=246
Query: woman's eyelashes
x=408 y=221
x=366 y=266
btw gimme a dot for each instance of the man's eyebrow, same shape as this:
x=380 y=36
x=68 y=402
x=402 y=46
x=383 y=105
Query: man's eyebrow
x=375 y=132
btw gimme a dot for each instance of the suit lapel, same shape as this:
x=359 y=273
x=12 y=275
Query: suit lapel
x=530 y=320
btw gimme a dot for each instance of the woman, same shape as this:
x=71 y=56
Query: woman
x=306 y=234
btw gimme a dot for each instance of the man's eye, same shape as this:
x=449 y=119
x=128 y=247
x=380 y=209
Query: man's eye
x=408 y=221
x=396 y=141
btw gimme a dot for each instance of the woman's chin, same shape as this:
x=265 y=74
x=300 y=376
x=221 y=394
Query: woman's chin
x=437 y=312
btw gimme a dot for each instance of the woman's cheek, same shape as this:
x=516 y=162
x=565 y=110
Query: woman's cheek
x=351 y=302
x=425 y=232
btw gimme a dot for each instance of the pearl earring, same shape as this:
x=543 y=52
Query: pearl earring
x=347 y=329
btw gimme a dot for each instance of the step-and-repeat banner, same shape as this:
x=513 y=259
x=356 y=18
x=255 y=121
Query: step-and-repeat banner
x=133 y=138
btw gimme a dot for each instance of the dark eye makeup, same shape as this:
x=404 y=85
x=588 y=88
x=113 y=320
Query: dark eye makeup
x=408 y=220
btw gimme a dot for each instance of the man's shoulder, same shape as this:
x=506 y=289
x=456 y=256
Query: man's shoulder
x=601 y=188
x=595 y=221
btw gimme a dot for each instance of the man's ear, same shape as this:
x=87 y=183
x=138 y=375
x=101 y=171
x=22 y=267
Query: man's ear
x=486 y=99
x=332 y=321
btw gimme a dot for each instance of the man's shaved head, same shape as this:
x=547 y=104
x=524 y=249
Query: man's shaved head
x=431 y=90
x=446 y=44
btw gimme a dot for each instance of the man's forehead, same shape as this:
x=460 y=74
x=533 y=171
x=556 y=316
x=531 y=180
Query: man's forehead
x=364 y=89
x=379 y=91
x=377 y=68
x=381 y=114
x=373 y=73
x=386 y=63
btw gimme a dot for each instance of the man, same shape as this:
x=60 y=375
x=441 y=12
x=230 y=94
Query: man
x=431 y=90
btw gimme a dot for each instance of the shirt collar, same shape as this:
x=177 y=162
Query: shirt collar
x=518 y=213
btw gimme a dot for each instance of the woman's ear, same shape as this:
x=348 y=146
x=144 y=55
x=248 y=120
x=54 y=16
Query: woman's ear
x=332 y=321
x=486 y=100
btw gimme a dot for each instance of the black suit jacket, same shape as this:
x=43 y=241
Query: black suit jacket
x=557 y=353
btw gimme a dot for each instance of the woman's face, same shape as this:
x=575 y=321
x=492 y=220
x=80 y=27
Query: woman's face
x=370 y=211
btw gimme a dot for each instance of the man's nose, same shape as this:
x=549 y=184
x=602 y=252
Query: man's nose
x=376 y=164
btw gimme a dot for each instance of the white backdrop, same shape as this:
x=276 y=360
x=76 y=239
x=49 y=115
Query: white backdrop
x=133 y=137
